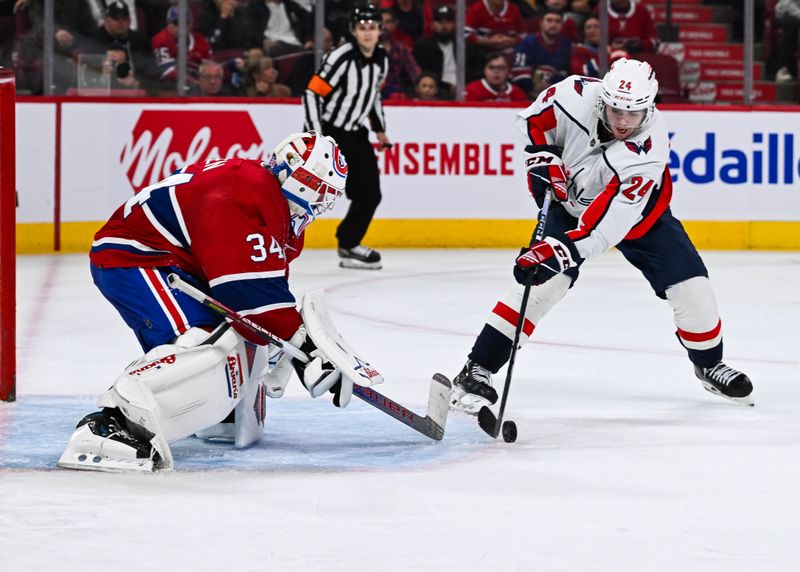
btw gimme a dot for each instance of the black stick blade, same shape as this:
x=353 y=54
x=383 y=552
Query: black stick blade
x=488 y=422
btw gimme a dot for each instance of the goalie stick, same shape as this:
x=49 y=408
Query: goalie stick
x=486 y=419
x=432 y=425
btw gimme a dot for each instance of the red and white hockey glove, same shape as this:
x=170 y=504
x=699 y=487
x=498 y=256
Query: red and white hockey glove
x=545 y=259
x=545 y=170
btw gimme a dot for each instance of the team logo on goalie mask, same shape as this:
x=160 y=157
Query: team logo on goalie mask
x=339 y=163
x=639 y=148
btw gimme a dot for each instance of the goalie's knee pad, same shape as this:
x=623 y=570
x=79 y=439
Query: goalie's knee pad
x=505 y=315
x=695 y=312
x=177 y=389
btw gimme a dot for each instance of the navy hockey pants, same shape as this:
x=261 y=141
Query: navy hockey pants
x=664 y=255
x=155 y=313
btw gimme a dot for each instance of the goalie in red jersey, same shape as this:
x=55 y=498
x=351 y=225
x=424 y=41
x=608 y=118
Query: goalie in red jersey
x=229 y=227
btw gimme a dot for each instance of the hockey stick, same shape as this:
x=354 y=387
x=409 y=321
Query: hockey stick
x=432 y=425
x=486 y=419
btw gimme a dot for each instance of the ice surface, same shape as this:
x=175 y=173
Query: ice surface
x=623 y=461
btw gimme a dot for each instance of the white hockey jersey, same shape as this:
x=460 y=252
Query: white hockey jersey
x=617 y=189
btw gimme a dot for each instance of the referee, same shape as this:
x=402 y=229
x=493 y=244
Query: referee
x=338 y=99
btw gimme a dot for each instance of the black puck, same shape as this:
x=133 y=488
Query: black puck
x=509 y=431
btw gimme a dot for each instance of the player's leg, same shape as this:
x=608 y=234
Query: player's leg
x=156 y=314
x=364 y=191
x=675 y=270
x=159 y=316
x=170 y=393
x=472 y=387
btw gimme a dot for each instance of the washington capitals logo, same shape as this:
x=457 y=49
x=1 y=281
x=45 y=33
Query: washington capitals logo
x=339 y=163
x=580 y=82
x=639 y=148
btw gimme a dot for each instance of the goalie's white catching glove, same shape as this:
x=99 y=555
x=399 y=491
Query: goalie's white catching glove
x=318 y=375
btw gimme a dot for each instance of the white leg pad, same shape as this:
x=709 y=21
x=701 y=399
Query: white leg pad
x=542 y=298
x=695 y=313
x=250 y=415
x=175 y=391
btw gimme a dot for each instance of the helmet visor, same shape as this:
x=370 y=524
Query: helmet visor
x=623 y=118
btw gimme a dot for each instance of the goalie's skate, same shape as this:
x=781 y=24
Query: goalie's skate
x=726 y=382
x=359 y=257
x=472 y=389
x=100 y=442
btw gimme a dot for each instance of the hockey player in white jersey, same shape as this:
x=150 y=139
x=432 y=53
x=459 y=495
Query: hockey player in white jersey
x=602 y=148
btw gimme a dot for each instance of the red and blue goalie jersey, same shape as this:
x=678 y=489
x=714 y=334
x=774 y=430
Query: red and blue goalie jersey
x=225 y=222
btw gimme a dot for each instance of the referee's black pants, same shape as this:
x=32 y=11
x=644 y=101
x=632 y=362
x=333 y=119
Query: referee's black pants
x=363 y=186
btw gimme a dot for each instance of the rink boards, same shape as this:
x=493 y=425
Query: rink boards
x=452 y=178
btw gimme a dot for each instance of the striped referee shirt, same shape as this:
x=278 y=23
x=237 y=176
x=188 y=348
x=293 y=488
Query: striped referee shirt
x=346 y=90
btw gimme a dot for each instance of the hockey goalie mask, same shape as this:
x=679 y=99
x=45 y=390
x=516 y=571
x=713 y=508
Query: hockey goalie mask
x=627 y=97
x=312 y=172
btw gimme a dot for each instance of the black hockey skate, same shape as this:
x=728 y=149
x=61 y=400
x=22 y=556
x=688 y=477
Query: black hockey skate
x=110 y=424
x=359 y=257
x=472 y=389
x=727 y=382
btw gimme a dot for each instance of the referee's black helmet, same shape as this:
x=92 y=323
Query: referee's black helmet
x=366 y=14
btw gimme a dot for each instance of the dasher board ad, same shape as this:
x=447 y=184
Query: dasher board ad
x=445 y=162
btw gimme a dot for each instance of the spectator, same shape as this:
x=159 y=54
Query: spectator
x=413 y=16
x=239 y=67
x=495 y=85
x=494 y=25
x=578 y=11
x=118 y=71
x=154 y=15
x=630 y=27
x=437 y=54
x=584 y=55
x=585 y=61
x=303 y=68
x=787 y=18
x=403 y=70
x=165 y=48
x=280 y=27
x=75 y=21
x=116 y=31
x=527 y=9
x=211 y=81
x=261 y=81
x=73 y=25
x=548 y=48
x=426 y=87
x=395 y=33
x=225 y=25
x=570 y=27
x=337 y=19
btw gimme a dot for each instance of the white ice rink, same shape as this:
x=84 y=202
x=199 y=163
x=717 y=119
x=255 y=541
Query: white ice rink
x=623 y=462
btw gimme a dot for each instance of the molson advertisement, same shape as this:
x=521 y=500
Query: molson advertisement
x=446 y=163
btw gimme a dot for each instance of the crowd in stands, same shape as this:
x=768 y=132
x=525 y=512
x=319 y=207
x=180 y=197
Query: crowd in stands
x=264 y=48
